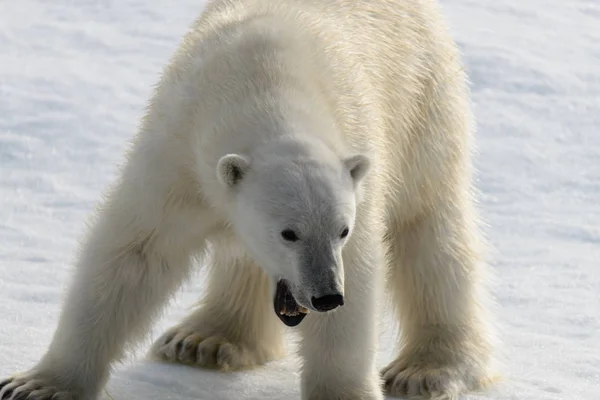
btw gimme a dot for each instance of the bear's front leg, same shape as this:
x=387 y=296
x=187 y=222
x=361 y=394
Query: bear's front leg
x=437 y=285
x=131 y=262
x=339 y=348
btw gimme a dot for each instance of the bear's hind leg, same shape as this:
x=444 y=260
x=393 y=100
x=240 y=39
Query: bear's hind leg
x=234 y=327
x=436 y=286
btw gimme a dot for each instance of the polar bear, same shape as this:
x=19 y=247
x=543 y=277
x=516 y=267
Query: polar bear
x=317 y=153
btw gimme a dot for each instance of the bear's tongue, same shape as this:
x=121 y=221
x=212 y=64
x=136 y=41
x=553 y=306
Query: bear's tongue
x=286 y=308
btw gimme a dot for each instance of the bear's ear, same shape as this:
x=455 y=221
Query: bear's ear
x=357 y=165
x=231 y=168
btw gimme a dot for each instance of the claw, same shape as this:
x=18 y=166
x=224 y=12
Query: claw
x=5 y=382
x=20 y=396
x=7 y=394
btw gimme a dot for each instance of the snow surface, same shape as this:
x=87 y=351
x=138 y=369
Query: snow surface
x=75 y=75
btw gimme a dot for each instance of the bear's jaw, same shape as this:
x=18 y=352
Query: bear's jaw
x=286 y=308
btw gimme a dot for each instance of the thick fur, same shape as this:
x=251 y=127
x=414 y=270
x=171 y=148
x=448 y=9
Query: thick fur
x=260 y=95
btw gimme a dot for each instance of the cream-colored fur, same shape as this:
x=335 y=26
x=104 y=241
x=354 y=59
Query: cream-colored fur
x=271 y=83
x=234 y=327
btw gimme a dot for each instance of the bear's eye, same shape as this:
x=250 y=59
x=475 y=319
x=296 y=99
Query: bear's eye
x=289 y=235
x=345 y=233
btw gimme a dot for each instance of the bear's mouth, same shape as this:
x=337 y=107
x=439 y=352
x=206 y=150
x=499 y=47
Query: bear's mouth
x=286 y=308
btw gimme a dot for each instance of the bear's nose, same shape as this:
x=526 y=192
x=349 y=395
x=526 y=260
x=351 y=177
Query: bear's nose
x=327 y=302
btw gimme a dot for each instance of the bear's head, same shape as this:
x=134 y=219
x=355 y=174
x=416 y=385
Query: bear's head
x=295 y=209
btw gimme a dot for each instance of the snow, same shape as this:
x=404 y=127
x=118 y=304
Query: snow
x=74 y=78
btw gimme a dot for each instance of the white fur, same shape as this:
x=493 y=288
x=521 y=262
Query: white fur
x=312 y=114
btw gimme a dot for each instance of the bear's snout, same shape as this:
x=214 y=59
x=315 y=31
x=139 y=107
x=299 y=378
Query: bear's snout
x=327 y=302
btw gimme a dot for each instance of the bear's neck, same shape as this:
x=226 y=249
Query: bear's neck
x=294 y=148
x=273 y=86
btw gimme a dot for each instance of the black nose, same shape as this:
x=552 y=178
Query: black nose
x=327 y=302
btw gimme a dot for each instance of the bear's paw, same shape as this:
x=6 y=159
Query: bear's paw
x=418 y=378
x=33 y=387
x=185 y=346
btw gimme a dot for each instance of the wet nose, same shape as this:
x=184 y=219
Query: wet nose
x=327 y=302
